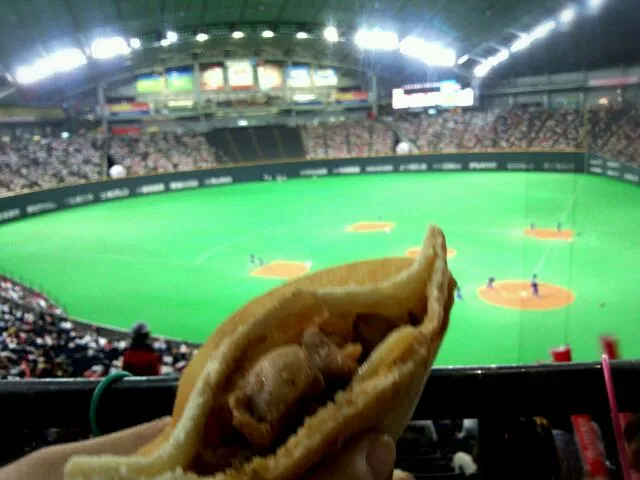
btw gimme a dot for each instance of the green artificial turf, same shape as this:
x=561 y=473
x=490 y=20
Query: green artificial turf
x=180 y=261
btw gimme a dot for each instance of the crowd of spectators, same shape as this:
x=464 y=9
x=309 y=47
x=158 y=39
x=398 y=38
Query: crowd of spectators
x=32 y=162
x=563 y=129
x=612 y=131
x=625 y=142
x=163 y=152
x=37 y=340
x=350 y=139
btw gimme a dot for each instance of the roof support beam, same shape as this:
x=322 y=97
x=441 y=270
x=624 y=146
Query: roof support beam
x=119 y=12
x=283 y=7
x=242 y=10
x=203 y=12
x=76 y=27
x=26 y=25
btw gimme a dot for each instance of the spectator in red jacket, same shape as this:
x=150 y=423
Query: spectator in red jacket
x=140 y=358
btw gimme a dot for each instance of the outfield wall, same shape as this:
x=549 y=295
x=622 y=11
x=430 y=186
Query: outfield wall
x=42 y=201
x=608 y=167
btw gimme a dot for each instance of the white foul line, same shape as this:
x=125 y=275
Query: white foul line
x=553 y=244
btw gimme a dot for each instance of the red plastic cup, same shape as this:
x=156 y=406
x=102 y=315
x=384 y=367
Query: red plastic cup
x=610 y=347
x=561 y=354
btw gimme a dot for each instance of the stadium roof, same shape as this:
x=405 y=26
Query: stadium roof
x=30 y=29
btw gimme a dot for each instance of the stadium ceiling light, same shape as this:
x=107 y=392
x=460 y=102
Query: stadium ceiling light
x=268 y=33
x=463 y=59
x=104 y=48
x=595 y=4
x=237 y=34
x=567 y=15
x=172 y=37
x=67 y=59
x=376 y=39
x=498 y=58
x=330 y=34
x=59 y=62
x=202 y=37
x=165 y=42
x=543 y=30
x=482 y=69
x=429 y=52
x=302 y=35
x=135 y=43
x=521 y=43
x=27 y=75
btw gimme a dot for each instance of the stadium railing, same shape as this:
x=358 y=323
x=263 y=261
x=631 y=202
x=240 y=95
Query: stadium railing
x=484 y=392
x=451 y=392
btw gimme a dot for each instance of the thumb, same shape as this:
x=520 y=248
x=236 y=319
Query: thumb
x=370 y=458
x=124 y=442
x=48 y=463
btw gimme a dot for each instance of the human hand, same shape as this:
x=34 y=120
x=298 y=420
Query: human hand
x=370 y=458
x=48 y=463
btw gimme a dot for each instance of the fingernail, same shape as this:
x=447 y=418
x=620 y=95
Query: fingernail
x=380 y=457
x=402 y=475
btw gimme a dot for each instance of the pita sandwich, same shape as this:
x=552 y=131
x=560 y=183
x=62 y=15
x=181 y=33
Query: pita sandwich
x=297 y=372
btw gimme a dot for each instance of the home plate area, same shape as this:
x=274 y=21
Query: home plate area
x=282 y=269
x=368 y=227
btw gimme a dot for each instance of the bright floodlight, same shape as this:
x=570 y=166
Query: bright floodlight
x=498 y=58
x=522 y=43
x=595 y=4
x=302 y=35
x=567 y=15
x=376 y=40
x=331 y=34
x=202 y=37
x=26 y=75
x=543 y=30
x=67 y=59
x=60 y=61
x=482 y=69
x=237 y=34
x=268 y=34
x=165 y=42
x=110 y=47
x=429 y=52
x=172 y=37
x=135 y=43
x=462 y=59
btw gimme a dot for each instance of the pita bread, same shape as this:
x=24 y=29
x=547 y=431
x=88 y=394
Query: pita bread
x=415 y=295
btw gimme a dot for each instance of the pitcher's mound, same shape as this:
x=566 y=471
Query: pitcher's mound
x=414 y=252
x=282 y=269
x=550 y=234
x=517 y=295
x=366 y=227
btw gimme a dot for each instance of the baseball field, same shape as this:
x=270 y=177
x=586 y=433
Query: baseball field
x=181 y=261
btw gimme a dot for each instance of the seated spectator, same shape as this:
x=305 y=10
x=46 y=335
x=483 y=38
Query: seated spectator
x=140 y=358
x=162 y=153
x=38 y=341
x=34 y=162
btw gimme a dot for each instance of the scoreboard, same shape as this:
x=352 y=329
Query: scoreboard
x=445 y=94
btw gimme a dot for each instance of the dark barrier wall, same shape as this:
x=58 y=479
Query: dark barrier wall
x=607 y=167
x=29 y=204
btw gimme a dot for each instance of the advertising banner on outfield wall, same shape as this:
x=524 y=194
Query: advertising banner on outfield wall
x=35 y=203
x=607 y=167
